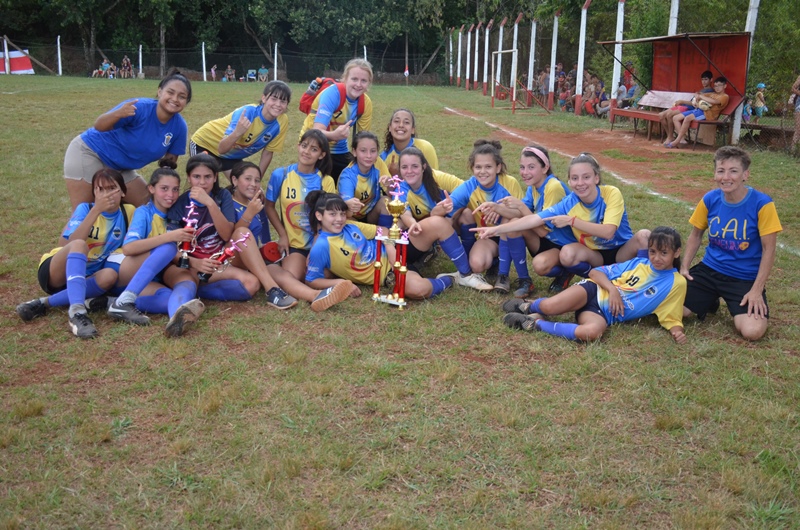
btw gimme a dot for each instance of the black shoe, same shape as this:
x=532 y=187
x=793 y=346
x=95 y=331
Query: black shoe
x=82 y=326
x=98 y=303
x=517 y=306
x=185 y=315
x=523 y=322
x=561 y=282
x=525 y=288
x=502 y=285
x=128 y=313
x=27 y=311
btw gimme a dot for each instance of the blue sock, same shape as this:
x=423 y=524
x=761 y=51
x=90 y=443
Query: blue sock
x=534 y=308
x=159 y=257
x=455 y=251
x=181 y=293
x=504 y=255
x=581 y=269
x=519 y=255
x=61 y=298
x=76 y=278
x=224 y=290
x=559 y=329
x=440 y=284
x=467 y=237
x=642 y=253
x=555 y=271
x=385 y=219
x=155 y=303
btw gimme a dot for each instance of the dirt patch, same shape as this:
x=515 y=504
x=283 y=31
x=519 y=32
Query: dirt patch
x=646 y=163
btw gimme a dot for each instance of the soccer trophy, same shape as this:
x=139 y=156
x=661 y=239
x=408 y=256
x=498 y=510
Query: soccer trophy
x=187 y=247
x=224 y=256
x=396 y=207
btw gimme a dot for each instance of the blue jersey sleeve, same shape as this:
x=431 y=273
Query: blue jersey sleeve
x=77 y=218
x=460 y=197
x=328 y=103
x=348 y=180
x=140 y=225
x=319 y=259
x=273 y=193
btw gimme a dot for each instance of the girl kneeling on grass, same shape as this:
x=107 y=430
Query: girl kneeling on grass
x=348 y=250
x=215 y=216
x=248 y=200
x=614 y=293
x=77 y=270
x=360 y=183
x=152 y=283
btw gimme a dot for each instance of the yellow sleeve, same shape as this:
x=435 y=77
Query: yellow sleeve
x=699 y=218
x=365 y=121
x=512 y=185
x=670 y=310
x=446 y=181
x=382 y=167
x=768 y=222
x=429 y=151
x=369 y=231
x=328 y=185
x=553 y=193
x=615 y=205
x=276 y=145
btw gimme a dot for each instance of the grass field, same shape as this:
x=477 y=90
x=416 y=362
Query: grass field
x=365 y=417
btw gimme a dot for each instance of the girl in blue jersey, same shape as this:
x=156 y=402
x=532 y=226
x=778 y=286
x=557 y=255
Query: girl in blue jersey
x=248 y=200
x=77 y=271
x=335 y=118
x=247 y=131
x=596 y=215
x=490 y=183
x=216 y=225
x=614 y=293
x=360 y=183
x=424 y=188
x=286 y=193
x=545 y=242
x=153 y=284
x=128 y=137
x=348 y=250
x=401 y=133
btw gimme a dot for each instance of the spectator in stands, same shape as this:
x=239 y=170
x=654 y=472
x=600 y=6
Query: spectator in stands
x=796 y=102
x=98 y=72
x=262 y=73
x=565 y=98
x=666 y=116
x=230 y=73
x=627 y=76
x=112 y=71
x=759 y=103
x=545 y=82
x=709 y=107
x=126 y=68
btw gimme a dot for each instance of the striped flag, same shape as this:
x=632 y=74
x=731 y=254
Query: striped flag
x=20 y=63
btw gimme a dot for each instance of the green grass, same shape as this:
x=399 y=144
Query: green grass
x=366 y=417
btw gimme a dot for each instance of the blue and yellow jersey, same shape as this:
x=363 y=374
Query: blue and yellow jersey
x=259 y=226
x=323 y=111
x=105 y=236
x=735 y=231
x=261 y=134
x=471 y=194
x=644 y=291
x=392 y=156
x=608 y=208
x=551 y=192
x=349 y=254
x=147 y=222
x=207 y=240
x=288 y=189
x=365 y=188
x=420 y=203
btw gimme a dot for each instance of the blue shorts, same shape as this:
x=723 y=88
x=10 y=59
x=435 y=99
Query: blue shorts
x=758 y=111
x=697 y=113
x=591 y=299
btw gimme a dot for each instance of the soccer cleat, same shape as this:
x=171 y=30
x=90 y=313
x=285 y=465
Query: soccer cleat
x=560 y=282
x=523 y=322
x=82 y=326
x=128 y=313
x=277 y=298
x=27 y=311
x=517 y=305
x=474 y=281
x=525 y=288
x=332 y=295
x=98 y=303
x=185 y=315
x=502 y=285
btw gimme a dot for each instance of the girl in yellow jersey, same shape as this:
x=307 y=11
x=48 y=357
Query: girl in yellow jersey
x=401 y=133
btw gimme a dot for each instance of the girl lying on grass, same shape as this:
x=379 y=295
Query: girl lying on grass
x=614 y=293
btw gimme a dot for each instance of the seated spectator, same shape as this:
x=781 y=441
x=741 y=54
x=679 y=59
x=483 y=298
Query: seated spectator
x=98 y=72
x=666 y=117
x=126 y=68
x=565 y=98
x=263 y=72
x=230 y=73
x=112 y=71
x=105 y=66
x=709 y=107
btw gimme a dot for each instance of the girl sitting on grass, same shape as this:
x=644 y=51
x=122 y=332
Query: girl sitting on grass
x=360 y=183
x=348 y=250
x=614 y=293
x=401 y=133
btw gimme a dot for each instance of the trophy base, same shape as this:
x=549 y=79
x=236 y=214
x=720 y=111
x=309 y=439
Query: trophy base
x=391 y=300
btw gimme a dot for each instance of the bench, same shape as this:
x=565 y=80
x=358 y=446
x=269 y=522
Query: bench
x=662 y=99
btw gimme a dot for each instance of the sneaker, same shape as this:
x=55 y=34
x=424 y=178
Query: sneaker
x=523 y=322
x=332 y=295
x=277 y=298
x=82 y=327
x=503 y=284
x=560 y=282
x=128 y=313
x=525 y=288
x=29 y=310
x=98 y=303
x=517 y=305
x=475 y=281
x=185 y=315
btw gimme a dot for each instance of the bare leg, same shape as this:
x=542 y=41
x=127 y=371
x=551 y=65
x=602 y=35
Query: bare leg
x=750 y=327
x=79 y=192
x=137 y=192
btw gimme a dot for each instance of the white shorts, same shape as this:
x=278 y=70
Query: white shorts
x=81 y=163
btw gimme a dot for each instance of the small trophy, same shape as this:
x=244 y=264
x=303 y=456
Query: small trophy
x=395 y=207
x=223 y=257
x=187 y=247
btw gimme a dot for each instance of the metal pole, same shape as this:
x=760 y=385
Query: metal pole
x=618 y=52
x=203 y=49
x=58 y=44
x=552 y=78
x=673 y=17
x=750 y=26
x=581 y=53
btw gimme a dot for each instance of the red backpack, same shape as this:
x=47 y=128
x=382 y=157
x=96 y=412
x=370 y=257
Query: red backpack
x=320 y=84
